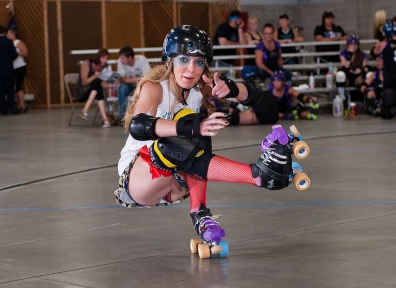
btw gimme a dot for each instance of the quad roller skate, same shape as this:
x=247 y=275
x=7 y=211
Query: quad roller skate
x=314 y=107
x=210 y=233
x=275 y=166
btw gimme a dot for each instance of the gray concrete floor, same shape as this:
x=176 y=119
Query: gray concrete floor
x=60 y=226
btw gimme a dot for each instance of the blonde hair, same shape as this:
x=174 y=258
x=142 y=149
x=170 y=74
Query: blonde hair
x=252 y=18
x=161 y=73
x=379 y=21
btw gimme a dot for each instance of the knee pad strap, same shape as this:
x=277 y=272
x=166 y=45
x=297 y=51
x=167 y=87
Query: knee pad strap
x=175 y=153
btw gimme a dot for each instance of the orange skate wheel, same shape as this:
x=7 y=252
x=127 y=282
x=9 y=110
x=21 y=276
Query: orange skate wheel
x=301 y=181
x=203 y=251
x=216 y=249
x=194 y=245
x=300 y=149
x=294 y=130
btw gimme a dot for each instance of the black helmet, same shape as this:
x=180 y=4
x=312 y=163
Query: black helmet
x=187 y=40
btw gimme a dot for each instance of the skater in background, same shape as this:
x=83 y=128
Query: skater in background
x=168 y=154
x=372 y=87
x=388 y=50
x=278 y=103
x=354 y=66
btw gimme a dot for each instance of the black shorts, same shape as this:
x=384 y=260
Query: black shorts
x=96 y=85
x=267 y=111
x=19 y=76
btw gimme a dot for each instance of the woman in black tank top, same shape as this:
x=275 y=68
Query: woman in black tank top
x=252 y=37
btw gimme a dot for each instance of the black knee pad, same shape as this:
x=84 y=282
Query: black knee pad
x=188 y=155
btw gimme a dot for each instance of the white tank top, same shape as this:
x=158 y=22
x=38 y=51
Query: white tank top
x=19 y=61
x=132 y=146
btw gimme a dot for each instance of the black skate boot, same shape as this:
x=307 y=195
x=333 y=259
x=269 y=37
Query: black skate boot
x=274 y=167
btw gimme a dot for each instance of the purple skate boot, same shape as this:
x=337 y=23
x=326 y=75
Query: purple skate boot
x=210 y=233
x=274 y=167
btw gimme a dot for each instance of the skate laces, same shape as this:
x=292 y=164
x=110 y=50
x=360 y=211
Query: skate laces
x=278 y=133
x=267 y=146
x=208 y=223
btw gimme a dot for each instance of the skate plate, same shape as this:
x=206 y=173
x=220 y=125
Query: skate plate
x=206 y=250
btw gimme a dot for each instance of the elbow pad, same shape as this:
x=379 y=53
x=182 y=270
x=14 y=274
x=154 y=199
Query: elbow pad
x=255 y=93
x=142 y=127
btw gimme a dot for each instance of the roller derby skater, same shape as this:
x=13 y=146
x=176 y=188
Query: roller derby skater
x=354 y=64
x=388 y=49
x=285 y=97
x=372 y=88
x=168 y=154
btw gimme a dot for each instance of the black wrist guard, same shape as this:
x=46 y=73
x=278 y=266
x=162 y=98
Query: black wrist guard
x=233 y=104
x=255 y=93
x=349 y=56
x=142 y=127
x=234 y=90
x=189 y=126
x=300 y=97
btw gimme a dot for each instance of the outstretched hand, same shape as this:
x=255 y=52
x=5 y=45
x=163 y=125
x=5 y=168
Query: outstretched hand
x=219 y=87
x=214 y=122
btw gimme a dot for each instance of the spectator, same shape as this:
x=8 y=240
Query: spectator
x=328 y=32
x=284 y=34
x=354 y=65
x=90 y=87
x=7 y=55
x=388 y=50
x=372 y=87
x=19 y=68
x=252 y=37
x=131 y=68
x=379 y=21
x=269 y=55
x=229 y=33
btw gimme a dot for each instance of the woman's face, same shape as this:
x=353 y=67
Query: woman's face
x=329 y=21
x=188 y=70
x=253 y=25
x=353 y=47
x=277 y=84
x=103 y=60
x=284 y=23
x=268 y=33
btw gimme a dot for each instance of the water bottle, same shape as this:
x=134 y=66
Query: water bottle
x=338 y=106
x=329 y=79
x=231 y=74
x=111 y=88
x=311 y=81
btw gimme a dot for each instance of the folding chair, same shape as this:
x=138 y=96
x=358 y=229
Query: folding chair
x=71 y=79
